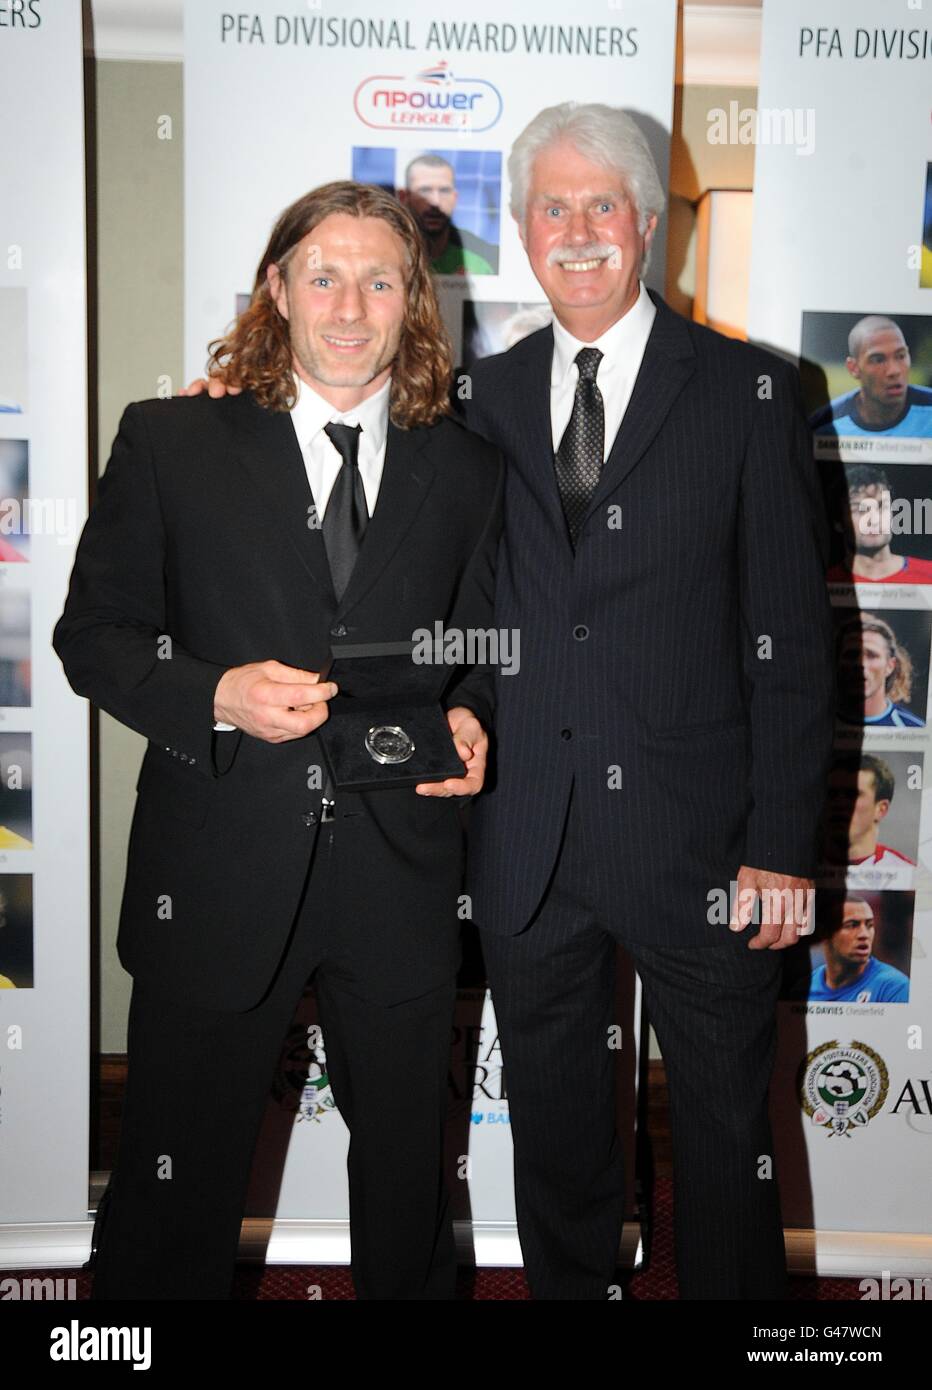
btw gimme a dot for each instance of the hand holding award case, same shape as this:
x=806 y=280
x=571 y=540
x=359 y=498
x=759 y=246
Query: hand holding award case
x=386 y=726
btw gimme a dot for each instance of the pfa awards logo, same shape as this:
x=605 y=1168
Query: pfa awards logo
x=301 y=1083
x=842 y=1088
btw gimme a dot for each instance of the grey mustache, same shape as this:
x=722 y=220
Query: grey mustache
x=595 y=251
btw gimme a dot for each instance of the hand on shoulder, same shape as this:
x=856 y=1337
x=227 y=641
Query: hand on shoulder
x=215 y=387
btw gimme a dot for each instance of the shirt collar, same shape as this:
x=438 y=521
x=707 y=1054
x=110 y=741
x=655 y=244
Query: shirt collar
x=311 y=412
x=616 y=344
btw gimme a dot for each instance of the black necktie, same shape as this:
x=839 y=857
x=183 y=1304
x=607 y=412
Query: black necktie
x=578 y=461
x=345 y=519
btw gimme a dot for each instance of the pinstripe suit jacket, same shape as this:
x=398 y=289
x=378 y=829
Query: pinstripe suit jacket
x=677 y=668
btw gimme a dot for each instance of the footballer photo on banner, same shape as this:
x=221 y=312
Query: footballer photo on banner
x=867 y=385
x=882 y=666
x=925 y=269
x=881 y=518
x=14 y=488
x=455 y=196
x=859 y=952
x=493 y=326
x=869 y=836
x=17 y=947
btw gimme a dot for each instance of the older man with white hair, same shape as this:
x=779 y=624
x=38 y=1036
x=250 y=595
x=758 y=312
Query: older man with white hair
x=666 y=739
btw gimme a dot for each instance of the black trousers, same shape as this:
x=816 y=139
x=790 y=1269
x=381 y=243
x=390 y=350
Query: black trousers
x=714 y=1011
x=197 y=1086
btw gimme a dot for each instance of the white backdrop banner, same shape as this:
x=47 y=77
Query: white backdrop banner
x=44 y=816
x=842 y=281
x=279 y=102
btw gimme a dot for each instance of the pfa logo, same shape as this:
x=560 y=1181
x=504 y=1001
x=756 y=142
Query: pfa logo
x=842 y=1088
x=301 y=1083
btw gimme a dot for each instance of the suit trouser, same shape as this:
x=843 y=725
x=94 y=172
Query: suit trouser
x=714 y=1012
x=197 y=1085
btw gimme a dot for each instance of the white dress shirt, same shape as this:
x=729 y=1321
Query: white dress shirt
x=322 y=459
x=622 y=347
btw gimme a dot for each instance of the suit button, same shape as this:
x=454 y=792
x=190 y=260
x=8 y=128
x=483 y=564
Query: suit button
x=580 y=632
x=566 y=733
x=309 y=817
x=339 y=630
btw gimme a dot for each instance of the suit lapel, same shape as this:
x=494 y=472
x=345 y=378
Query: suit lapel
x=269 y=453
x=667 y=365
x=407 y=473
x=537 y=432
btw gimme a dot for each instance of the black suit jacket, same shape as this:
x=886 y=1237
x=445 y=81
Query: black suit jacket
x=197 y=556
x=678 y=667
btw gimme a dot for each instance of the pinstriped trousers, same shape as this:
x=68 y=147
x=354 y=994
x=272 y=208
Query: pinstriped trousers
x=714 y=1012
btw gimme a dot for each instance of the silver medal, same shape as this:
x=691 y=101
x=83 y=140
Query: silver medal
x=388 y=743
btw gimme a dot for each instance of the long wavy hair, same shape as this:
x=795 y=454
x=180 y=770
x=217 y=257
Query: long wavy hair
x=899 y=683
x=256 y=354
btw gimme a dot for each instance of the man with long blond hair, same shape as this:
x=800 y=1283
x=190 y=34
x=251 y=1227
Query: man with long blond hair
x=875 y=675
x=232 y=545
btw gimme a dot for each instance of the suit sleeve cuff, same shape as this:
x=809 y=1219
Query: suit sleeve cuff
x=782 y=841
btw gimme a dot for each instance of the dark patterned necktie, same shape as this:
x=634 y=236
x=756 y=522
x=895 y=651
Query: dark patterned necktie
x=345 y=519
x=578 y=461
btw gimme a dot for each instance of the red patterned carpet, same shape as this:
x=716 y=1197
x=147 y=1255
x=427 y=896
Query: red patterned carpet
x=300 y=1282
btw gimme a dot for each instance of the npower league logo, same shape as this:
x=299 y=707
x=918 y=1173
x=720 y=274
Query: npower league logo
x=433 y=99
